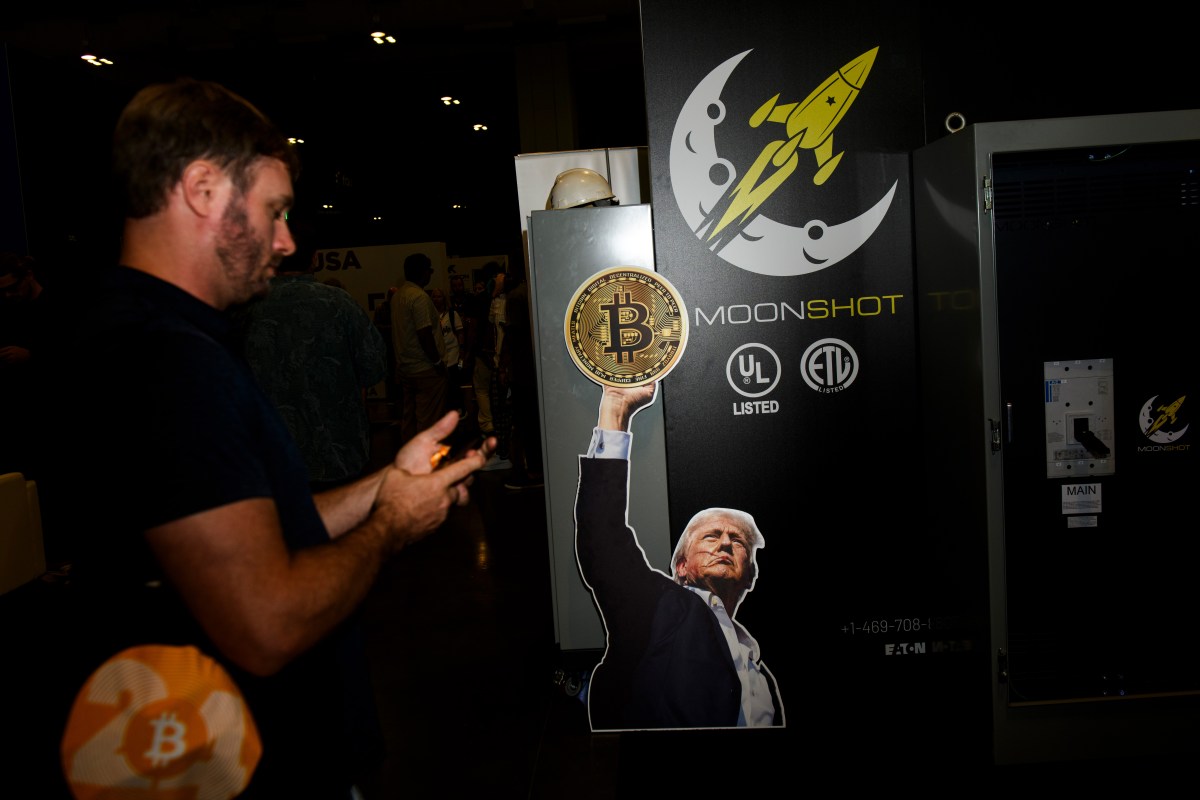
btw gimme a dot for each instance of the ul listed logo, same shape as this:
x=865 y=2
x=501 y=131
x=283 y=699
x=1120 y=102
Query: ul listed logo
x=829 y=366
x=753 y=370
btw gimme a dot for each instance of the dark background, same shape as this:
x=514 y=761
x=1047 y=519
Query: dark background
x=378 y=142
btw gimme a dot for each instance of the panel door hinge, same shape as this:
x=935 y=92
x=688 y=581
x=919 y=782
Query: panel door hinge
x=987 y=194
x=1002 y=666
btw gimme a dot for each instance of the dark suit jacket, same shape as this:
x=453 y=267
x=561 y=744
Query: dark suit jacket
x=667 y=664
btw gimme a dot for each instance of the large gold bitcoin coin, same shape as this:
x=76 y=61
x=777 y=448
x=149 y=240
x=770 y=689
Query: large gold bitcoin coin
x=626 y=326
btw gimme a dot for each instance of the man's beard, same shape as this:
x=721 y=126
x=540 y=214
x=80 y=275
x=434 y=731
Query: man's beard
x=241 y=254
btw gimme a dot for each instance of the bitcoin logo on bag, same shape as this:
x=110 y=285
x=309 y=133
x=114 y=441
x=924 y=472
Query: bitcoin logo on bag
x=159 y=721
x=626 y=326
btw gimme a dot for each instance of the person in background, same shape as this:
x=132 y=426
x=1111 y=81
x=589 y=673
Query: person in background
x=459 y=296
x=20 y=295
x=460 y=300
x=416 y=337
x=316 y=352
x=497 y=391
x=451 y=325
x=23 y=321
x=481 y=350
x=518 y=372
x=382 y=317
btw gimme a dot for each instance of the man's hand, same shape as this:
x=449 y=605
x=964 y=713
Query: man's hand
x=262 y=603
x=417 y=455
x=619 y=404
x=413 y=506
x=422 y=452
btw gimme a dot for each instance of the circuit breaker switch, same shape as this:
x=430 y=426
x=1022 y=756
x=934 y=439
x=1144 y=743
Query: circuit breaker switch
x=1089 y=440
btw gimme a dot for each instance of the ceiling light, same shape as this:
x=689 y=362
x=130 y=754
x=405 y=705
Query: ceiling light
x=294 y=140
x=479 y=127
x=97 y=61
x=381 y=36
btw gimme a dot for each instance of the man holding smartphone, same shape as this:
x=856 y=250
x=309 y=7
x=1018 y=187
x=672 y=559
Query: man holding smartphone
x=208 y=533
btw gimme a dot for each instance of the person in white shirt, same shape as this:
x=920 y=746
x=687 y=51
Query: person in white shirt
x=453 y=332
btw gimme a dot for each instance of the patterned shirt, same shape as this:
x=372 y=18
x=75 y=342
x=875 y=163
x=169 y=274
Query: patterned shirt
x=314 y=350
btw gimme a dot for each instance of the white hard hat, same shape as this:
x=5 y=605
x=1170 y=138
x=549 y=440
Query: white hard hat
x=579 y=187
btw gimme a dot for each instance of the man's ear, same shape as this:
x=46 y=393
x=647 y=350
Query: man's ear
x=201 y=186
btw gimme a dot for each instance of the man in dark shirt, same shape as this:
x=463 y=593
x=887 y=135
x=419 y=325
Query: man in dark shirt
x=202 y=529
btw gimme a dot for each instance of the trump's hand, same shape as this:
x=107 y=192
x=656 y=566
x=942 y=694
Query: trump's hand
x=619 y=404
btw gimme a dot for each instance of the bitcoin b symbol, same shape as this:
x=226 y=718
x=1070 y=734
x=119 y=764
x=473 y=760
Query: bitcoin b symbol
x=166 y=737
x=627 y=329
x=168 y=743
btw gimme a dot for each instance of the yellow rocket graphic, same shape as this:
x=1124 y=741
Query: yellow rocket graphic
x=1168 y=413
x=809 y=125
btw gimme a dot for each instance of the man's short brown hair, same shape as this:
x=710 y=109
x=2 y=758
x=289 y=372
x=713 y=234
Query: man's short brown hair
x=167 y=126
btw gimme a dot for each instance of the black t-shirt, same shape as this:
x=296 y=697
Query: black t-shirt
x=175 y=425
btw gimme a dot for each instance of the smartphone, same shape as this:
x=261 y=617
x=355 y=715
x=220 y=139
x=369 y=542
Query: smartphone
x=451 y=453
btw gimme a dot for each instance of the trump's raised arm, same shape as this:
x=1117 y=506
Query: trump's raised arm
x=619 y=404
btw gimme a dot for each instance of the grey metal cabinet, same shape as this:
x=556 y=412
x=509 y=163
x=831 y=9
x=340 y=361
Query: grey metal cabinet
x=1057 y=266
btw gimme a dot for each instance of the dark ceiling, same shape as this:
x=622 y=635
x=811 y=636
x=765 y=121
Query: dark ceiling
x=378 y=141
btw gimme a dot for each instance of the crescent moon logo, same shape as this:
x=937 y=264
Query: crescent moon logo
x=1163 y=422
x=723 y=211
